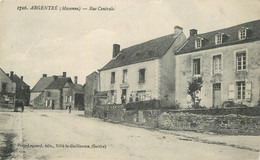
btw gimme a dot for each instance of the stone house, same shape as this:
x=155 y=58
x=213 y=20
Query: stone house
x=90 y=87
x=22 y=89
x=57 y=92
x=39 y=88
x=142 y=72
x=7 y=88
x=227 y=60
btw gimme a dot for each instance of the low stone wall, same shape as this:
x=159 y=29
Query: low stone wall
x=111 y=112
x=202 y=121
x=224 y=124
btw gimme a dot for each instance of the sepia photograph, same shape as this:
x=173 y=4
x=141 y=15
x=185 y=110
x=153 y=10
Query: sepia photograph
x=129 y=80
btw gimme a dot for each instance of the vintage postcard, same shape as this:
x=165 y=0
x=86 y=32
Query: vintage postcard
x=129 y=79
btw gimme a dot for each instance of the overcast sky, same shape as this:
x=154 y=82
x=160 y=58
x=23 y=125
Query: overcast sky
x=79 y=42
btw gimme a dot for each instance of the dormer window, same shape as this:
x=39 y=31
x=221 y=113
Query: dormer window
x=198 y=42
x=242 y=33
x=219 y=38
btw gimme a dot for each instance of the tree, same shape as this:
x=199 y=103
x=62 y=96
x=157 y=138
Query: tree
x=194 y=87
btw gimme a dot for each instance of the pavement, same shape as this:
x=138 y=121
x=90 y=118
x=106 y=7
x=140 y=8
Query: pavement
x=47 y=134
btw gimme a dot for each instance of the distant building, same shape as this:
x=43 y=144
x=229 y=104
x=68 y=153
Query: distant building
x=39 y=88
x=57 y=92
x=7 y=88
x=142 y=72
x=22 y=89
x=227 y=60
x=91 y=86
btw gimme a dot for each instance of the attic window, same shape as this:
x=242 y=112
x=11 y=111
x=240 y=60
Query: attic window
x=242 y=33
x=219 y=38
x=198 y=43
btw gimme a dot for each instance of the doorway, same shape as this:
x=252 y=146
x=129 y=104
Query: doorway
x=216 y=95
x=123 y=97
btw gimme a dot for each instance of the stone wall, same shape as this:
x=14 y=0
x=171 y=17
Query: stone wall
x=224 y=124
x=213 y=120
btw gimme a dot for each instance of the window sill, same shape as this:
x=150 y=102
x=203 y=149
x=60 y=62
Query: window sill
x=141 y=83
x=197 y=75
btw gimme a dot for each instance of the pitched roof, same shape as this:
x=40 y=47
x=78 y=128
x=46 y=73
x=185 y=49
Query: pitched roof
x=5 y=74
x=146 y=51
x=19 y=81
x=77 y=88
x=59 y=82
x=42 y=84
x=90 y=75
x=230 y=37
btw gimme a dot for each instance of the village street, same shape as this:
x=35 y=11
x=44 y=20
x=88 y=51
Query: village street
x=47 y=134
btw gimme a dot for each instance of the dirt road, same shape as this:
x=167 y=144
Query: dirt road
x=60 y=135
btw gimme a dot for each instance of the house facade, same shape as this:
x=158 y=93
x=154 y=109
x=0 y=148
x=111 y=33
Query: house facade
x=7 y=88
x=142 y=72
x=37 y=92
x=22 y=89
x=90 y=87
x=227 y=60
x=58 y=92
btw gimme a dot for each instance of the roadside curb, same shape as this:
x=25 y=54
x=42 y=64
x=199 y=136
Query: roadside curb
x=185 y=137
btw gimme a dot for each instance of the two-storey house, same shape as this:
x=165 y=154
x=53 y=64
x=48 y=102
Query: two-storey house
x=142 y=72
x=227 y=60
x=7 y=88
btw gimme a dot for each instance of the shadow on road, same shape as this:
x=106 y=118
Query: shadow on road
x=7 y=148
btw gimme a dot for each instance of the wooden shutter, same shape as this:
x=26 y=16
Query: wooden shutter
x=231 y=94
x=248 y=91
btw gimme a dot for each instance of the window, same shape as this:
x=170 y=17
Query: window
x=124 y=75
x=141 y=95
x=196 y=66
x=113 y=76
x=48 y=94
x=241 y=61
x=69 y=99
x=217 y=64
x=218 y=38
x=217 y=86
x=242 y=34
x=241 y=90
x=4 y=87
x=141 y=75
x=48 y=103
x=198 y=43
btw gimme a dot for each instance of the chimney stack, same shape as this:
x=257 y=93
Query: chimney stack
x=44 y=75
x=7 y=74
x=75 y=79
x=12 y=75
x=64 y=74
x=55 y=77
x=177 y=30
x=22 y=78
x=193 y=32
x=116 y=50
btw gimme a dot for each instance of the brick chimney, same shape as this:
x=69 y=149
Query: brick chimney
x=116 y=50
x=22 y=78
x=177 y=30
x=193 y=32
x=12 y=75
x=75 y=79
x=64 y=74
x=44 y=75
